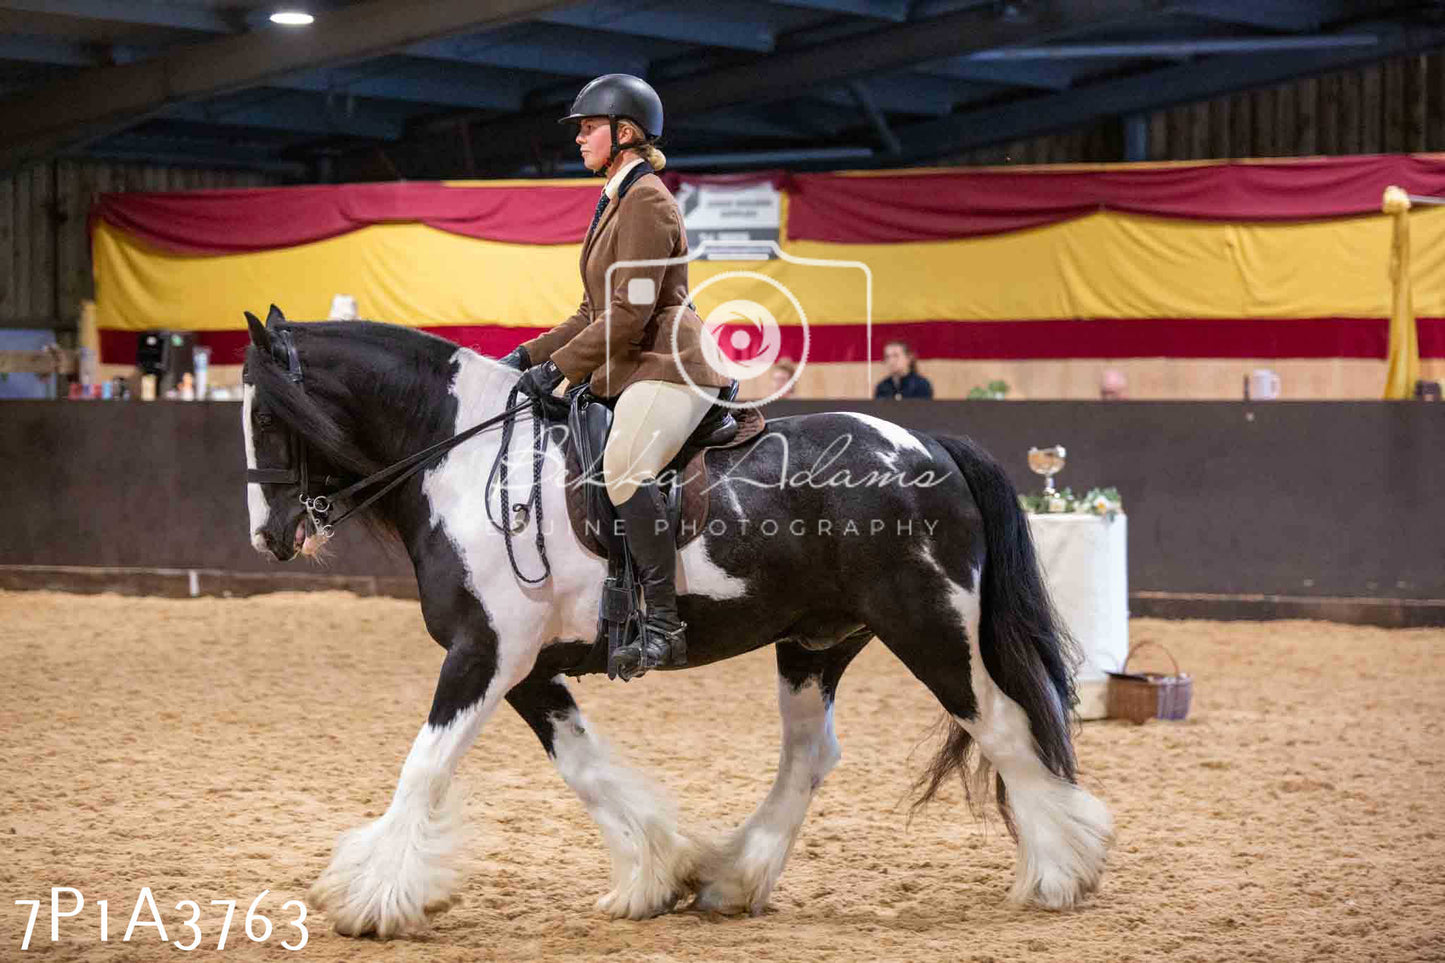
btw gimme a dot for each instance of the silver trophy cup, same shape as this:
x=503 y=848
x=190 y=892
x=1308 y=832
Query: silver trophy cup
x=1047 y=462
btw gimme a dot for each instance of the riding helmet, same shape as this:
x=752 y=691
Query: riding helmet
x=616 y=96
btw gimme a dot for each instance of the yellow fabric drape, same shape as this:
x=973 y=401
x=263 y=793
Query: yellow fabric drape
x=1404 y=368
x=1105 y=265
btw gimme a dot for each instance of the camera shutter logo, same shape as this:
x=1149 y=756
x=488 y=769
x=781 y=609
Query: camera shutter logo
x=732 y=320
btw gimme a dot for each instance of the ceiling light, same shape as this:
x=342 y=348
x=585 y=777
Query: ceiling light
x=292 y=18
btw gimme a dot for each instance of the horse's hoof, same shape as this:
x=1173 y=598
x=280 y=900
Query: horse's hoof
x=620 y=905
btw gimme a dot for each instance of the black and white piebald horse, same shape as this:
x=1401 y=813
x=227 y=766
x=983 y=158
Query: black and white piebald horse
x=825 y=531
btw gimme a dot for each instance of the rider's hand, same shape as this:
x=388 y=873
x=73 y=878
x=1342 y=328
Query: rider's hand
x=541 y=380
x=518 y=359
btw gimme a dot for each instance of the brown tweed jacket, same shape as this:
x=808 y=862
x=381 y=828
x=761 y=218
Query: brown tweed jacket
x=647 y=303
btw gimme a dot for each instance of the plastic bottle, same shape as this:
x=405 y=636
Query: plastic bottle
x=202 y=363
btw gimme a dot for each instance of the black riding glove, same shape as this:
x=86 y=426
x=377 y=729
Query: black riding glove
x=541 y=380
x=518 y=359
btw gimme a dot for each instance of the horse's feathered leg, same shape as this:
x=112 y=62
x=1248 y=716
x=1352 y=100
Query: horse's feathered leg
x=653 y=862
x=741 y=873
x=388 y=876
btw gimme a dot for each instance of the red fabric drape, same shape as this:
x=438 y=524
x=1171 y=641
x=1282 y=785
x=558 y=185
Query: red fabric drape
x=930 y=207
x=258 y=219
x=822 y=207
x=964 y=340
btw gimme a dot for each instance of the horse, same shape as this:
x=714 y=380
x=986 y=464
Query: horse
x=825 y=531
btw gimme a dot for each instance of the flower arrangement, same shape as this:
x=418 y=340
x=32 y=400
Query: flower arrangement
x=993 y=391
x=1097 y=501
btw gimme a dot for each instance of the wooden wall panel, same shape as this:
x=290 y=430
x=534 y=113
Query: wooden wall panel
x=7 y=247
x=23 y=249
x=44 y=239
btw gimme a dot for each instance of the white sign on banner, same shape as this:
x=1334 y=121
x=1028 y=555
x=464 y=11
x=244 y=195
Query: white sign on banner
x=738 y=220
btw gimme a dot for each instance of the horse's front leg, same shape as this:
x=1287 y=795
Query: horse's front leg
x=654 y=863
x=388 y=876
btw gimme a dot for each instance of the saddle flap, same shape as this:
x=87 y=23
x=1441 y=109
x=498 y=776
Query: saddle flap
x=588 y=423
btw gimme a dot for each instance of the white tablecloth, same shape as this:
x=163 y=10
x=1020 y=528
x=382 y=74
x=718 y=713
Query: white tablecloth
x=1084 y=558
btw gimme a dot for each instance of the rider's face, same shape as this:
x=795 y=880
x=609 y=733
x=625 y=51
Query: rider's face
x=594 y=139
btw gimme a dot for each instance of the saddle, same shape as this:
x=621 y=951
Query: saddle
x=684 y=480
x=684 y=483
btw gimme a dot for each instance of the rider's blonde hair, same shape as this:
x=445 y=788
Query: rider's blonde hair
x=628 y=131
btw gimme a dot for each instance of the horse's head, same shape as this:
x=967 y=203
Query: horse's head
x=275 y=449
x=342 y=400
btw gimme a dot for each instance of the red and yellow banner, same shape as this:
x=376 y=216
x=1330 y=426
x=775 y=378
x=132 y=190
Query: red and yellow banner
x=1089 y=267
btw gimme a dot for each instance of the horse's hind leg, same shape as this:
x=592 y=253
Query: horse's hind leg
x=1063 y=831
x=739 y=875
x=653 y=863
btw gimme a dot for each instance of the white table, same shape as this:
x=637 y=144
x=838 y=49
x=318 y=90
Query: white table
x=1084 y=558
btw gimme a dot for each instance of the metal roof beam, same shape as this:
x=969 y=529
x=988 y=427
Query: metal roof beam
x=741 y=122
x=892 y=48
x=45 y=50
x=807 y=119
x=1037 y=75
x=301 y=114
x=924 y=9
x=869 y=106
x=102 y=100
x=703 y=24
x=492 y=90
x=176 y=16
x=187 y=153
x=541 y=56
x=899 y=94
x=1173 y=49
x=1154 y=90
x=799 y=72
x=895 y=10
x=1287 y=15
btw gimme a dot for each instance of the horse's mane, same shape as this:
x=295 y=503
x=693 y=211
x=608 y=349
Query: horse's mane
x=402 y=375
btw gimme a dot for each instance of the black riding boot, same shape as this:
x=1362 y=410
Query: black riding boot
x=661 y=641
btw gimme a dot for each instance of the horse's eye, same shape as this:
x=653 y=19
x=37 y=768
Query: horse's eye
x=263 y=421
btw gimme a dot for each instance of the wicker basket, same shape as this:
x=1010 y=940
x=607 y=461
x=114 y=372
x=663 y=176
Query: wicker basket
x=1142 y=696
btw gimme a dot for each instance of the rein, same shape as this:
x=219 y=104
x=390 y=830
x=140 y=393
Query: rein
x=534 y=500
x=318 y=507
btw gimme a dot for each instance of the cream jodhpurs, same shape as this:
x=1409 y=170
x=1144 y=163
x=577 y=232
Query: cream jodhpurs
x=650 y=422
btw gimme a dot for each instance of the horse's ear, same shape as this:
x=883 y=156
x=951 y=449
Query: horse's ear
x=274 y=315
x=260 y=337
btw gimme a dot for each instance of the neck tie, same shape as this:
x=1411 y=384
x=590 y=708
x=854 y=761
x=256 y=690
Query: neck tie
x=597 y=214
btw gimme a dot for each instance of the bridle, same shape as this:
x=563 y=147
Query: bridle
x=318 y=507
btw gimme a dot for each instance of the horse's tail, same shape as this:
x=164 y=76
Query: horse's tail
x=1025 y=647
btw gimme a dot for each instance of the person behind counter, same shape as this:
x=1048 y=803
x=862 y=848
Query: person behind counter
x=903 y=379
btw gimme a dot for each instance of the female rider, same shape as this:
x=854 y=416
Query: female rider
x=633 y=340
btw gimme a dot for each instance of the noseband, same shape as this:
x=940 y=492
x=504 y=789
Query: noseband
x=318 y=507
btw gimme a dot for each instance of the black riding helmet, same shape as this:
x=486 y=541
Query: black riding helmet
x=617 y=97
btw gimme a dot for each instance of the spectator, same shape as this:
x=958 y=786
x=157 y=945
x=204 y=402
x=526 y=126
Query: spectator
x=1113 y=386
x=903 y=379
x=781 y=373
